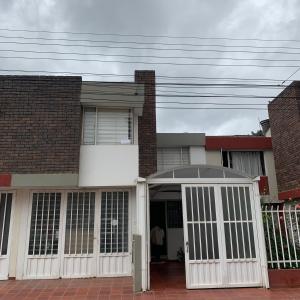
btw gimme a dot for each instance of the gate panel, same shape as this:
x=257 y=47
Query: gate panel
x=203 y=264
x=114 y=258
x=221 y=236
x=79 y=254
x=243 y=264
x=5 y=223
x=42 y=259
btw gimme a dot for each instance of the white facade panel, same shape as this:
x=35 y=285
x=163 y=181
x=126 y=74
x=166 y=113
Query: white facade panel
x=108 y=165
x=197 y=155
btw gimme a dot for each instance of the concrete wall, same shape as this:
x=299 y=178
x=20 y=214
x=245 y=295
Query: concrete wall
x=197 y=155
x=271 y=173
x=108 y=165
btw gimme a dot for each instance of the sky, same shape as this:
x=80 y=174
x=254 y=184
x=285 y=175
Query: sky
x=167 y=22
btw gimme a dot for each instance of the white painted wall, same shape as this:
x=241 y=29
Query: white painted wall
x=108 y=165
x=197 y=155
x=214 y=158
x=271 y=173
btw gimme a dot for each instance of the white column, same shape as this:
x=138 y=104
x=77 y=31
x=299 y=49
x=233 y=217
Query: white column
x=142 y=220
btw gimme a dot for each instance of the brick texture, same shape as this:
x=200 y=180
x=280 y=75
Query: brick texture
x=284 y=112
x=40 y=124
x=147 y=125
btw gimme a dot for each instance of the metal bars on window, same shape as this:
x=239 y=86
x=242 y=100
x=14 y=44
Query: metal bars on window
x=44 y=226
x=114 y=222
x=238 y=223
x=5 y=211
x=202 y=223
x=79 y=233
x=282 y=235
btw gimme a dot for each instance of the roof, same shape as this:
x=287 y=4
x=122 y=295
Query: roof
x=246 y=142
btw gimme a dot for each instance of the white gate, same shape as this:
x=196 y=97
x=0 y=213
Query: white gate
x=42 y=259
x=79 y=258
x=114 y=258
x=221 y=236
x=5 y=224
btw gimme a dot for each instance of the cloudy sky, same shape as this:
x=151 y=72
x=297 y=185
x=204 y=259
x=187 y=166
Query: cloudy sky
x=166 y=21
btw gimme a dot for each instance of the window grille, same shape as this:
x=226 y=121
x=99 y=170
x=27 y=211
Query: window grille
x=202 y=223
x=79 y=235
x=44 y=226
x=114 y=222
x=107 y=126
x=5 y=210
x=170 y=158
x=238 y=223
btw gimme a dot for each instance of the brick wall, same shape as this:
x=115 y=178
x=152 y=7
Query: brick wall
x=284 y=112
x=40 y=124
x=147 y=125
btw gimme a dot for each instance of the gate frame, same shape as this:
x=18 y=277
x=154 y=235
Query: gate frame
x=10 y=231
x=257 y=207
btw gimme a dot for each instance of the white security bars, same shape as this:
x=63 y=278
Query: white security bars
x=79 y=234
x=282 y=235
x=5 y=209
x=114 y=222
x=44 y=226
x=238 y=223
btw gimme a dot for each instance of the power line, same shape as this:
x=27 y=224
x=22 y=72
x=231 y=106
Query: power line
x=149 y=48
x=148 y=63
x=148 y=43
x=147 y=56
x=149 y=36
x=166 y=77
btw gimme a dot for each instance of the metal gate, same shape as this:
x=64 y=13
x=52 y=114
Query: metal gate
x=5 y=224
x=42 y=259
x=78 y=234
x=221 y=236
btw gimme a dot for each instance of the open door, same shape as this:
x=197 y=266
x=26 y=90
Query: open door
x=221 y=236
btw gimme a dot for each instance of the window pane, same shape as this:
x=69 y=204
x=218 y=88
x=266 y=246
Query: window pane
x=89 y=123
x=114 y=222
x=79 y=236
x=113 y=127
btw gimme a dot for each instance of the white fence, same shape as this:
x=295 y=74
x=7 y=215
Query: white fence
x=282 y=235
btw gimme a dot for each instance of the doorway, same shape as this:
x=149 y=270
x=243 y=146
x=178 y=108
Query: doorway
x=168 y=270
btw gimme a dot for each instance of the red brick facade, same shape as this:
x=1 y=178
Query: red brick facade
x=147 y=125
x=40 y=124
x=284 y=112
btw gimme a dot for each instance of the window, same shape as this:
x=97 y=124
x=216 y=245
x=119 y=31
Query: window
x=107 y=126
x=249 y=162
x=170 y=158
x=79 y=236
x=44 y=226
x=5 y=209
x=114 y=222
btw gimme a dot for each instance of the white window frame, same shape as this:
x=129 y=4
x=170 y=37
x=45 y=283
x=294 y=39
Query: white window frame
x=132 y=123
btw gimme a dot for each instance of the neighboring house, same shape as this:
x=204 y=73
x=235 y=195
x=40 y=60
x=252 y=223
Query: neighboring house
x=251 y=155
x=284 y=114
x=80 y=191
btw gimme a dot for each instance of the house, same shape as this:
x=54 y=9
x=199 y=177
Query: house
x=84 y=177
x=284 y=123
